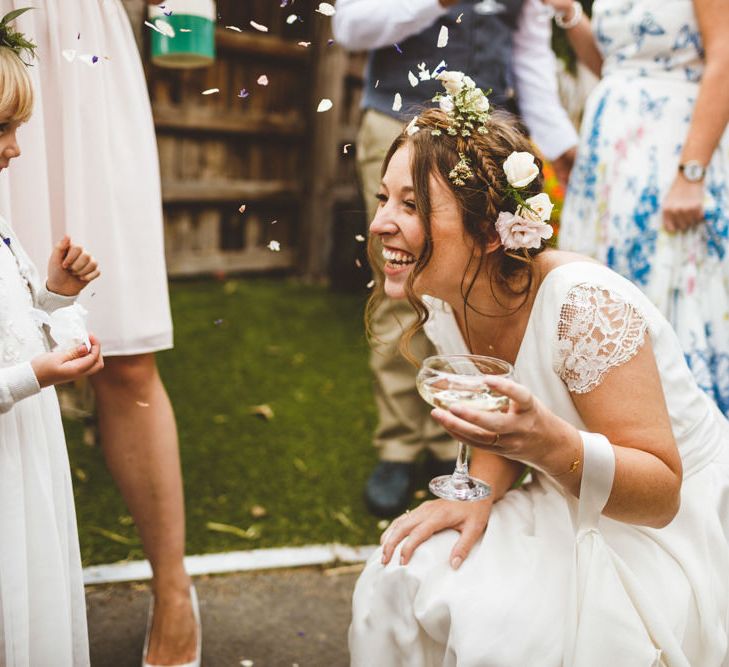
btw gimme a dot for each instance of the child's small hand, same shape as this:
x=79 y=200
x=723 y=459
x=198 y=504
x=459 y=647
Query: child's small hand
x=59 y=367
x=70 y=268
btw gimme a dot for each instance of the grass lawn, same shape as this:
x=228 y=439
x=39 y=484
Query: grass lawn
x=299 y=350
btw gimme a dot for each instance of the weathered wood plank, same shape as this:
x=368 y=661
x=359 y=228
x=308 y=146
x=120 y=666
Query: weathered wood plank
x=268 y=45
x=249 y=260
x=197 y=119
x=179 y=192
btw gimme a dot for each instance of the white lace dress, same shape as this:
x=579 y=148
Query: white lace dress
x=42 y=609
x=553 y=583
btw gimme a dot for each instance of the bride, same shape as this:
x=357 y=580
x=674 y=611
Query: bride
x=615 y=552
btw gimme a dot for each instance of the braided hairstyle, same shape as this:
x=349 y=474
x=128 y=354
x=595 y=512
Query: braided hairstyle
x=480 y=199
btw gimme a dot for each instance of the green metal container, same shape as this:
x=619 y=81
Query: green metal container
x=184 y=33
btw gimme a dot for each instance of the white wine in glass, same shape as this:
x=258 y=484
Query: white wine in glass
x=445 y=380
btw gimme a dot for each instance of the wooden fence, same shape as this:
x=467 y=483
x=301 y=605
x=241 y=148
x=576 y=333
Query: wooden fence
x=268 y=150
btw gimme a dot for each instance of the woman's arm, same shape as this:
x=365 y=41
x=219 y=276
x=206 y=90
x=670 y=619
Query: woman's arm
x=364 y=25
x=16 y=383
x=683 y=206
x=580 y=37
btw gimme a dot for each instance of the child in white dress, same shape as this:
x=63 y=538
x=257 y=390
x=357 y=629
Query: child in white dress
x=42 y=609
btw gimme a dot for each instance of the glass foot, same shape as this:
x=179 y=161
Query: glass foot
x=457 y=487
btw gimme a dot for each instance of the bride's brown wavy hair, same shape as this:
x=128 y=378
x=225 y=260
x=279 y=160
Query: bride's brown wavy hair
x=480 y=200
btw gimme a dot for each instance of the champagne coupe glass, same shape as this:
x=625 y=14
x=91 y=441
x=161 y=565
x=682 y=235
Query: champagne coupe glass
x=446 y=380
x=489 y=7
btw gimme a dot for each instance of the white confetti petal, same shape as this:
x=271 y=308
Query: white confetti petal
x=304 y=44
x=359 y=238
x=259 y=26
x=69 y=54
x=185 y=30
x=345 y=149
x=460 y=18
x=233 y=27
x=211 y=91
x=246 y=663
x=423 y=72
x=262 y=80
x=242 y=208
x=324 y=105
x=414 y=81
x=151 y=25
x=326 y=9
x=274 y=246
x=397 y=102
x=291 y=18
x=377 y=83
x=370 y=284
x=443 y=37
x=164 y=28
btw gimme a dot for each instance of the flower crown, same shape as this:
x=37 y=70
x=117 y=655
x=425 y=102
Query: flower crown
x=467 y=108
x=14 y=40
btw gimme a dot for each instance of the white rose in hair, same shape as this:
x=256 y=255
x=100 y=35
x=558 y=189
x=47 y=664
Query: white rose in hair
x=446 y=104
x=477 y=101
x=520 y=169
x=541 y=208
x=452 y=81
x=517 y=232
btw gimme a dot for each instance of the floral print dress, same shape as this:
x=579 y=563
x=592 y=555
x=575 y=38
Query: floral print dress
x=636 y=121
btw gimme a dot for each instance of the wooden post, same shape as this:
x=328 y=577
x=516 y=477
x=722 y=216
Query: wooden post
x=330 y=67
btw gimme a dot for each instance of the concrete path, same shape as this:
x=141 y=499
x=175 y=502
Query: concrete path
x=276 y=618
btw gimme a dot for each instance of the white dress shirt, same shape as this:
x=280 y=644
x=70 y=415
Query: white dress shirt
x=362 y=25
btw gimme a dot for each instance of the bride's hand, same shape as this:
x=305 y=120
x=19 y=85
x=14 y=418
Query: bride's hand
x=528 y=432
x=416 y=526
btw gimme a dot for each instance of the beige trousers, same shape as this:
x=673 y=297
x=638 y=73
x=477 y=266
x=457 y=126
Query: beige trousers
x=404 y=426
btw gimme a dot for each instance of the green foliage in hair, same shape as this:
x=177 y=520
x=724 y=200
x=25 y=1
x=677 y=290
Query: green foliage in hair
x=14 y=40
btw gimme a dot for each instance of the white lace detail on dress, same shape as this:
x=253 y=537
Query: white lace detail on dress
x=597 y=331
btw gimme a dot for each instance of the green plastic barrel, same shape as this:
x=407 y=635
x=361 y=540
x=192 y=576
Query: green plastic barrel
x=183 y=34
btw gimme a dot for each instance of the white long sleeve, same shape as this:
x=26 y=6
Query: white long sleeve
x=16 y=383
x=365 y=25
x=536 y=83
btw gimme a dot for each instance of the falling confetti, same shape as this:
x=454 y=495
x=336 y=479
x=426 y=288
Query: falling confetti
x=242 y=208
x=243 y=93
x=246 y=663
x=345 y=149
x=164 y=28
x=358 y=263
x=423 y=72
x=397 y=48
x=69 y=54
x=377 y=83
x=306 y=45
x=259 y=26
x=233 y=27
x=211 y=91
x=414 y=81
x=443 y=37
x=397 y=102
x=324 y=105
x=460 y=18
x=142 y=404
x=262 y=80
x=359 y=238
x=291 y=19
x=326 y=9
x=274 y=246
x=370 y=284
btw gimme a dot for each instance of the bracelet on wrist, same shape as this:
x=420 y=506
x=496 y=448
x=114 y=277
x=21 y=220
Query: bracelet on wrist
x=568 y=24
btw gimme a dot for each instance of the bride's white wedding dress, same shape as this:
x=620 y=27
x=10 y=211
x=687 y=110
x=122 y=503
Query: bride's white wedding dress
x=552 y=582
x=42 y=608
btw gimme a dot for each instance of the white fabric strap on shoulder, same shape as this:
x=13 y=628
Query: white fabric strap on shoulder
x=598 y=473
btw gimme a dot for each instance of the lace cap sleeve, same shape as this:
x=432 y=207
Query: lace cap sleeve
x=597 y=331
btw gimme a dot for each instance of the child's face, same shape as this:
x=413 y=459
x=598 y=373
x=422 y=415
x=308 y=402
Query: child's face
x=9 y=147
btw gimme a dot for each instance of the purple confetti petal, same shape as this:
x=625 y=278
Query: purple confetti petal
x=95 y=59
x=243 y=93
x=399 y=50
x=6 y=242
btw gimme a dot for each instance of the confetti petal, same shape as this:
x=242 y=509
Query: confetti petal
x=397 y=102
x=414 y=81
x=274 y=246
x=306 y=45
x=326 y=9
x=359 y=238
x=258 y=26
x=164 y=28
x=211 y=91
x=443 y=37
x=370 y=284
x=242 y=208
x=262 y=80
x=69 y=54
x=345 y=149
x=291 y=19
x=233 y=27
x=324 y=105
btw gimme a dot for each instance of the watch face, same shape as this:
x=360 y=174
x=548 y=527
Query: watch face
x=693 y=171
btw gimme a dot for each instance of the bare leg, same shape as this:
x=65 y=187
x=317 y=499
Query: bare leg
x=139 y=439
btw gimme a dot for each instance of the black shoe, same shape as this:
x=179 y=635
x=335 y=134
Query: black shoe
x=438 y=467
x=389 y=488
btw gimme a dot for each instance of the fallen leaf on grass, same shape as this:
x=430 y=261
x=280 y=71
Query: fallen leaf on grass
x=263 y=410
x=344 y=520
x=300 y=465
x=343 y=569
x=126 y=520
x=115 y=537
x=80 y=474
x=251 y=533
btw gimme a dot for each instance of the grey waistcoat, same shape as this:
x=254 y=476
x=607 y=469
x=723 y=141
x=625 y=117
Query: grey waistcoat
x=480 y=46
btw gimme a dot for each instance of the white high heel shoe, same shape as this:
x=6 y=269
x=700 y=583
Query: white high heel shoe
x=196 y=611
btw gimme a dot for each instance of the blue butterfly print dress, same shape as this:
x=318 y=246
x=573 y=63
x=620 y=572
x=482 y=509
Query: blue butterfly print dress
x=635 y=123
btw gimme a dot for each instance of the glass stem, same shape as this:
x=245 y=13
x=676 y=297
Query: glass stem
x=464 y=454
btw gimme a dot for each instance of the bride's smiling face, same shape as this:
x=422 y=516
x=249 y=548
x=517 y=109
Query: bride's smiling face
x=404 y=238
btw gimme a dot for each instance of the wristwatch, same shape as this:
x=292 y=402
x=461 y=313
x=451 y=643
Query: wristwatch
x=693 y=171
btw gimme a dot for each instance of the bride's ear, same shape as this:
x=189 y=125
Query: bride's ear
x=493 y=244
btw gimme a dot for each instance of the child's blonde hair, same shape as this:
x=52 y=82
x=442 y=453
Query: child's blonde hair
x=16 y=89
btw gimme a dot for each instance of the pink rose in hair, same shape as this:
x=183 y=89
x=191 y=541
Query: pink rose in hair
x=517 y=232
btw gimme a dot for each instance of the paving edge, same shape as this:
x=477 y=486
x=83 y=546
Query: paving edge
x=234 y=561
